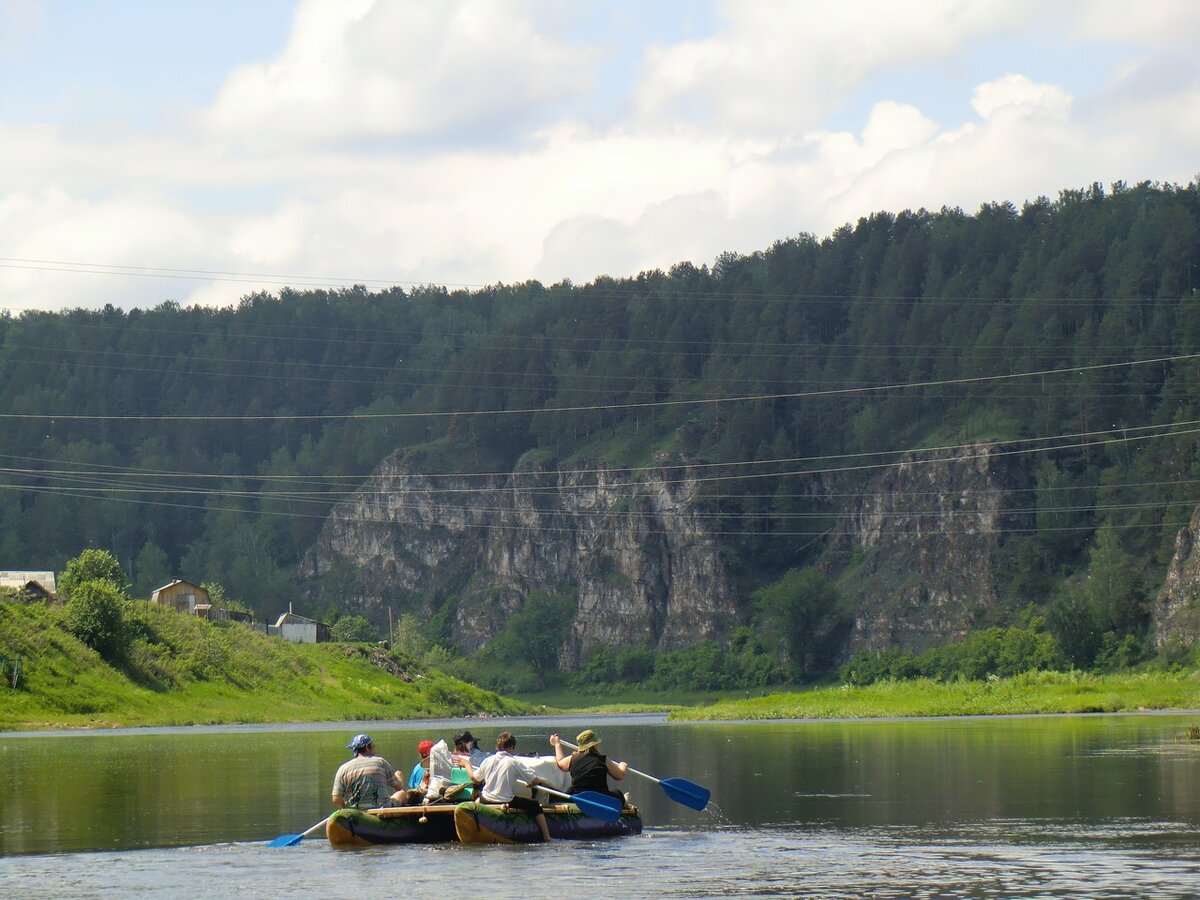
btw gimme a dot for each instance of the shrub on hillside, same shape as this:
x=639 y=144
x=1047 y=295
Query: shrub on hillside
x=97 y=615
x=354 y=630
x=93 y=565
x=1003 y=652
x=746 y=663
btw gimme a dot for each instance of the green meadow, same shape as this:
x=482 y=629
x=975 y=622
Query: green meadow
x=1035 y=692
x=181 y=670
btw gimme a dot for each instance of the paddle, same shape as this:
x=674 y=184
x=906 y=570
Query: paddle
x=590 y=803
x=291 y=840
x=678 y=789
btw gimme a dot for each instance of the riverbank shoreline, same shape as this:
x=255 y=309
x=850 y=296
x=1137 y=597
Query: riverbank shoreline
x=1036 y=693
x=567 y=718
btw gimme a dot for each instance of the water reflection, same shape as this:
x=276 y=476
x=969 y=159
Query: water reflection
x=1006 y=807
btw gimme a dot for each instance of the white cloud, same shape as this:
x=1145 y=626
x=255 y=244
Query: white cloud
x=18 y=19
x=300 y=166
x=1019 y=95
x=54 y=227
x=782 y=66
x=680 y=228
x=403 y=68
x=1157 y=23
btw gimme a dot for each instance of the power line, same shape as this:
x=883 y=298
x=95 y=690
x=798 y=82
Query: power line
x=542 y=529
x=660 y=404
x=1127 y=434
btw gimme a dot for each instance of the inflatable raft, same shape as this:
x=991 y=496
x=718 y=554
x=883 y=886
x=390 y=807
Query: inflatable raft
x=399 y=825
x=470 y=823
x=483 y=823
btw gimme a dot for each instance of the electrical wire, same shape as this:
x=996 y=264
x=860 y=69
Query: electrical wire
x=660 y=404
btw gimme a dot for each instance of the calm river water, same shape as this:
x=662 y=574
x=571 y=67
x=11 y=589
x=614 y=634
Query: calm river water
x=1088 y=806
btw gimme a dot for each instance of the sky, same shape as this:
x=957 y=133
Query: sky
x=197 y=152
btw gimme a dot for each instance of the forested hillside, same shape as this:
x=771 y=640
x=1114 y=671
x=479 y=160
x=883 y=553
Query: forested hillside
x=211 y=443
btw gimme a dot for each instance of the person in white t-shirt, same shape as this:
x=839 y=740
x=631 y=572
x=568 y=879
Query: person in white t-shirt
x=502 y=775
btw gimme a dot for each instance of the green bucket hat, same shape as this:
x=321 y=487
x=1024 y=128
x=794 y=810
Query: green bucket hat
x=587 y=740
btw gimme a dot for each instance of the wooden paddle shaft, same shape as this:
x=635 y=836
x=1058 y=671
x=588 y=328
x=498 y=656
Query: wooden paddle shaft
x=391 y=812
x=315 y=828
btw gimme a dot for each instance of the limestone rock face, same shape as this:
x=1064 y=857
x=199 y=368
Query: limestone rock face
x=632 y=550
x=921 y=545
x=916 y=552
x=1177 y=607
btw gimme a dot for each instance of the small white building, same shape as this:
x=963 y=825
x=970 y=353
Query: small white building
x=300 y=630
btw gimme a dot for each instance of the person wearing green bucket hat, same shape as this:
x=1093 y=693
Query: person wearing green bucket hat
x=589 y=768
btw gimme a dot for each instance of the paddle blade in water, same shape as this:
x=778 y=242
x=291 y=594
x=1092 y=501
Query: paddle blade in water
x=291 y=840
x=683 y=791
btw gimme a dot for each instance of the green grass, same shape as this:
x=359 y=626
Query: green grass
x=185 y=671
x=1038 y=692
x=625 y=699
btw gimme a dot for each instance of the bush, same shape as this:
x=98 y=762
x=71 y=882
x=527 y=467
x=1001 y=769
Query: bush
x=1003 y=652
x=705 y=666
x=802 y=617
x=97 y=614
x=93 y=565
x=354 y=630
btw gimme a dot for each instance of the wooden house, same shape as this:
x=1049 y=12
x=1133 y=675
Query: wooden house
x=31 y=586
x=181 y=595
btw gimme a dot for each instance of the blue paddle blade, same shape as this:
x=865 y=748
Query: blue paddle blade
x=286 y=840
x=683 y=791
x=596 y=810
x=602 y=799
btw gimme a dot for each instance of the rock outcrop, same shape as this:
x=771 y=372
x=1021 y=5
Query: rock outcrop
x=1177 y=608
x=920 y=547
x=915 y=553
x=633 y=550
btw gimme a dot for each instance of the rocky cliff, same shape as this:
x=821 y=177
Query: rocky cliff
x=916 y=552
x=632 y=550
x=1177 y=608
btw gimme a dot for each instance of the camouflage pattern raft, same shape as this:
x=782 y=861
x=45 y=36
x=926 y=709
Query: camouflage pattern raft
x=470 y=823
x=398 y=825
x=483 y=823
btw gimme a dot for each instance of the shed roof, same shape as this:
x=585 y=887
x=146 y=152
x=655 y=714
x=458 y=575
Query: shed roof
x=290 y=618
x=179 y=581
x=18 y=580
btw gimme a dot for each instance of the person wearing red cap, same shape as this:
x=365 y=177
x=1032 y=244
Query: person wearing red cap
x=418 y=778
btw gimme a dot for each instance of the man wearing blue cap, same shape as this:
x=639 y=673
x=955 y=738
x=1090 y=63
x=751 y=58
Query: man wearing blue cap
x=367 y=781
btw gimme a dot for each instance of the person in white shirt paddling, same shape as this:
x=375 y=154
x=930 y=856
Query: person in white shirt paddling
x=502 y=775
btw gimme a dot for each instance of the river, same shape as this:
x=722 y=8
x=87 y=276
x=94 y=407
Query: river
x=1088 y=806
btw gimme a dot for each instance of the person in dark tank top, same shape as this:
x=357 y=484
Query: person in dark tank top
x=588 y=767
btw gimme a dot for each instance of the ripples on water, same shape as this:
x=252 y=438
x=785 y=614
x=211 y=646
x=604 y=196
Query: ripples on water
x=1001 y=858
x=1101 y=807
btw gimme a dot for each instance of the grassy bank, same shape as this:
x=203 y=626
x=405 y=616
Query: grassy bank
x=186 y=671
x=1039 y=692
x=622 y=699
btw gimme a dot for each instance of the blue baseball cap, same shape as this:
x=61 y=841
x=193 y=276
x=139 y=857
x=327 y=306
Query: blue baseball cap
x=360 y=742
